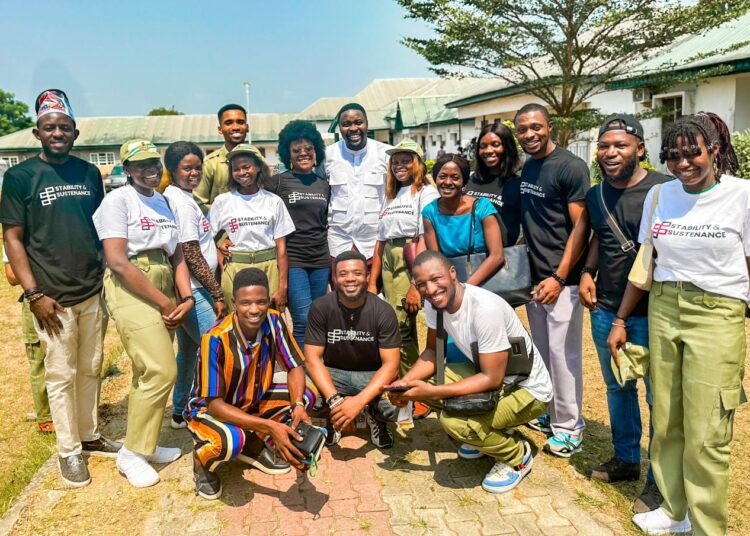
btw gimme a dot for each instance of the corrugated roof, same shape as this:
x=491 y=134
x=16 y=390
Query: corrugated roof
x=161 y=130
x=323 y=109
x=383 y=91
x=415 y=111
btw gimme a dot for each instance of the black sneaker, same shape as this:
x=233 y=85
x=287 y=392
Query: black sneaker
x=73 y=471
x=379 y=434
x=649 y=500
x=333 y=436
x=616 y=470
x=101 y=447
x=207 y=483
x=267 y=462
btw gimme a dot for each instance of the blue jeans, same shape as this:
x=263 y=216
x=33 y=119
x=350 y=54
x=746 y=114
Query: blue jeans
x=305 y=286
x=198 y=321
x=624 y=412
x=352 y=382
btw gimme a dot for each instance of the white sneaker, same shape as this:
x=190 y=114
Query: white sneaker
x=468 y=452
x=164 y=455
x=658 y=522
x=136 y=469
x=503 y=478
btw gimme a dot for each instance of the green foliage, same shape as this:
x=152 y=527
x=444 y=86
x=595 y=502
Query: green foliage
x=12 y=114
x=561 y=51
x=596 y=171
x=429 y=164
x=741 y=144
x=162 y=110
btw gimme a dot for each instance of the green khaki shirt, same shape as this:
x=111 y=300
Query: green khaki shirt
x=215 y=179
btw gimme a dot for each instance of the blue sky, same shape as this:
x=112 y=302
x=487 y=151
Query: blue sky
x=125 y=58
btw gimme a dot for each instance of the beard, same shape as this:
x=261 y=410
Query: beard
x=351 y=299
x=628 y=167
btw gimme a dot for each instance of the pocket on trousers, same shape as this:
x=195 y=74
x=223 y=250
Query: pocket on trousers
x=711 y=300
x=721 y=426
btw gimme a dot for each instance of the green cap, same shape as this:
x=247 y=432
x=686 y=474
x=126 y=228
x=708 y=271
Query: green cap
x=134 y=150
x=246 y=148
x=407 y=145
x=634 y=361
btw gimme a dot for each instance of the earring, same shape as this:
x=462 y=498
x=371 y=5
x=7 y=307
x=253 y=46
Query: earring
x=291 y=165
x=315 y=161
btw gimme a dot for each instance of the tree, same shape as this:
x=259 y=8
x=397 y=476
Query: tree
x=12 y=114
x=561 y=51
x=162 y=110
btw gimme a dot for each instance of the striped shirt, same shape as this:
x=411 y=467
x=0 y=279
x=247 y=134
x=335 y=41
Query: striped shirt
x=240 y=371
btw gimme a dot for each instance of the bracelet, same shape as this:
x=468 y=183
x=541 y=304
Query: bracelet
x=336 y=402
x=29 y=293
x=332 y=397
x=559 y=279
x=295 y=405
x=618 y=325
x=589 y=270
x=186 y=298
x=35 y=297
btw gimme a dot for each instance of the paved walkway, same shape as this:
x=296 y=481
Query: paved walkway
x=418 y=487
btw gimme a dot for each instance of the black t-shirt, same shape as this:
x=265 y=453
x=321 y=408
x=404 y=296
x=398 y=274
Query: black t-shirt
x=506 y=197
x=54 y=204
x=306 y=199
x=626 y=207
x=547 y=186
x=352 y=337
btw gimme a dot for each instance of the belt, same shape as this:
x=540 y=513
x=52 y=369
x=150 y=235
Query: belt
x=151 y=256
x=253 y=257
x=399 y=242
x=682 y=285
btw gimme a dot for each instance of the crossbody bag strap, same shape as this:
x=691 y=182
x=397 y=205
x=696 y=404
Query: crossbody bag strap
x=626 y=244
x=440 y=343
x=654 y=202
x=419 y=213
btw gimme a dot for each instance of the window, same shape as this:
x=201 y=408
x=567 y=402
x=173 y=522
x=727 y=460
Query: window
x=581 y=150
x=672 y=110
x=102 y=159
x=10 y=160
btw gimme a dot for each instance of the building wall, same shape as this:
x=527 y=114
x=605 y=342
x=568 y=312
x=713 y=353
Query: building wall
x=742 y=104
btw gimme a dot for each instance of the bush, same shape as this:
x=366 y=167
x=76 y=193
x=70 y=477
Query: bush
x=596 y=171
x=741 y=143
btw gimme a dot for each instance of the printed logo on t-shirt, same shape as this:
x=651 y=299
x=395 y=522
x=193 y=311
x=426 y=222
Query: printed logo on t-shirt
x=306 y=196
x=248 y=221
x=407 y=209
x=495 y=199
x=149 y=223
x=52 y=193
x=338 y=335
x=533 y=189
x=668 y=228
x=205 y=225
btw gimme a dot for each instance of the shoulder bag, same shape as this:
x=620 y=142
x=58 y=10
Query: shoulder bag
x=642 y=273
x=512 y=281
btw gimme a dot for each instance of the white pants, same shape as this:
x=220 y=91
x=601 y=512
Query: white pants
x=73 y=364
x=557 y=331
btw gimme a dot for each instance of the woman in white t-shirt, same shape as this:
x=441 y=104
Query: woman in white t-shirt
x=697 y=303
x=256 y=223
x=407 y=191
x=144 y=265
x=184 y=163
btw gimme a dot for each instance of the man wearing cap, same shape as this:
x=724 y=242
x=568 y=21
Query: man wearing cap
x=614 y=210
x=356 y=167
x=233 y=126
x=46 y=212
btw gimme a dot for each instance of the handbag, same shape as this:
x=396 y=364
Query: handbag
x=512 y=281
x=642 y=273
x=410 y=248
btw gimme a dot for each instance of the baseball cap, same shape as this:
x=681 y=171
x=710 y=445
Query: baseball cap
x=134 y=150
x=625 y=122
x=246 y=148
x=634 y=363
x=407 y=145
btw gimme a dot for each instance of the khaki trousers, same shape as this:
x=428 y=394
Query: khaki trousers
x=73 y=363
x=148 y=343
x=486 y=432
x=697 y=343
x=35 y=353
x=396 y=281
x=231 y=269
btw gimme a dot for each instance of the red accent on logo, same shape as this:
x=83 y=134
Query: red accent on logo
x=147 y=224
x=661 y=228
x=206 y=225
x=233 y=225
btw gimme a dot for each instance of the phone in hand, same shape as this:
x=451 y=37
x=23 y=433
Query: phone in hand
x=396 y=389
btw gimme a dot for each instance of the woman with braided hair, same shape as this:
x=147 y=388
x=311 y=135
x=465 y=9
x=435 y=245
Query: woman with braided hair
x=700 y=225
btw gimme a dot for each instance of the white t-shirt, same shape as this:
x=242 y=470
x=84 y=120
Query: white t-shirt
x=357 y=180
x=192 y=225
x=146 y=222
x=252 y=222
x=488 y=320
x=398 y=219
x=702 y=238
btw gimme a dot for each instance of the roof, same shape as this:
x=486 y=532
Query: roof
x=161 y=130
x=323 y=109
x=415 y=111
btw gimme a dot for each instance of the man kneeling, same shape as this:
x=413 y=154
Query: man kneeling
x=236 y=408
x=475 y=317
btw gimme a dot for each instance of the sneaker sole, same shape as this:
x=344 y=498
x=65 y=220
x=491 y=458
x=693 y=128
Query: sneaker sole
x=470 y=456
x=177 y=426
x=560 y=454
x=262 y=468
x=679 y=529
x=210 y=497
x=543 y=429
x=134 y=485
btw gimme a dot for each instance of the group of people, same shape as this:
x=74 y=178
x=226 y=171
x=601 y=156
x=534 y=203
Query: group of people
x=229 y=246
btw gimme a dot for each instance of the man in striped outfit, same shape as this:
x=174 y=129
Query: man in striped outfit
x=236 y=408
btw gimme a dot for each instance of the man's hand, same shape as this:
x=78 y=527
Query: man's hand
x=419 y=390
x=45 y=310
x=587 y=291
x=282 y=436
x=413 y=302
x=175 y=318
x=346 y=413
x=300 y=415
x=395 y=398
x=220 y=308
x=547 y=291
x=617 y=338
x=278 y=300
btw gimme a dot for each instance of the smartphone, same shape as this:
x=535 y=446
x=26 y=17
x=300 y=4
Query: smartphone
x=396 y=389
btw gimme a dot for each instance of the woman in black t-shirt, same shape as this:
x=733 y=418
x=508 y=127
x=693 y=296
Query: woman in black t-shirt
x=305 y=191
x=496 y=177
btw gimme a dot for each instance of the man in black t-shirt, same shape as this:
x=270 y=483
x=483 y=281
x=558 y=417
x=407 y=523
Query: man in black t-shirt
x=352 y=350
x=619 y=150
x=553 y=216
x=46 y=211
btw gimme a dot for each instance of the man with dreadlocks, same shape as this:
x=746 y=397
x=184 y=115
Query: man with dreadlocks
x=700 y=225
